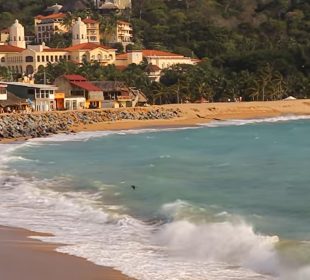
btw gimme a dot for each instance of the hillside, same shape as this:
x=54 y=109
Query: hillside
x=246 y=44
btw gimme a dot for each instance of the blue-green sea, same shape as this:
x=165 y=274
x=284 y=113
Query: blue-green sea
x=225 y=200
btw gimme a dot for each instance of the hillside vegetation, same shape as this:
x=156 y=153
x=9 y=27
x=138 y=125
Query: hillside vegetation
x=256 y=49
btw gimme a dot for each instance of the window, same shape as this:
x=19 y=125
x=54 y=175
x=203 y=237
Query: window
x=74 y=104
x=52 y=58
x=67 y=105
x=29 y=58
x=69 y=57
x=56 y=58
x=39 y=28
x=43 y=58
x=2 y=59
x=38 y=58
x=47 y=58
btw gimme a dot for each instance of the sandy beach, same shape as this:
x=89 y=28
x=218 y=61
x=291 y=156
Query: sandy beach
x=29 y=259
x=193 y=114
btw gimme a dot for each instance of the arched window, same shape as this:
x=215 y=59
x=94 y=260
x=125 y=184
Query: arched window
x=2 y=59
x=99 y=57
x=19 y=38
x=84 y=57
x=29 y=58
x=77 y=36
x=82 y=36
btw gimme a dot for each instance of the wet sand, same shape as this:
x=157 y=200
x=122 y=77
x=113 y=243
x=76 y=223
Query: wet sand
x=22 y=258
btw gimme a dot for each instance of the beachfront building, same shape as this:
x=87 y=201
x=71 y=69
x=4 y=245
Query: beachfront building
x=45 y=27
x=79 y=92
x=19 y=59
x=40 y=97
x=3 y=92
x=117 y=94
x=158 y=59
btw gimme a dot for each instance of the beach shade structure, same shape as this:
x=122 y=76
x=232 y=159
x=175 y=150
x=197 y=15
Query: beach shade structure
x=290 y=98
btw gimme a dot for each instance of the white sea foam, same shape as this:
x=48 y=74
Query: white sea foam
x=182 y=249
x=239 y=122
x=87 y=135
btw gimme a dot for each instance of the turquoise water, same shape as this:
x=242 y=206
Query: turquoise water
x=223 y=201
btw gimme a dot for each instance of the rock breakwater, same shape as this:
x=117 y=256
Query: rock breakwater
x=44 y=124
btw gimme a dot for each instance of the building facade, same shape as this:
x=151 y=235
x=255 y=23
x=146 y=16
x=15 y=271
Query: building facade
x=45 y=27
x=40 y=97
x=19 y=59
x=157 y=60
x=123 y=33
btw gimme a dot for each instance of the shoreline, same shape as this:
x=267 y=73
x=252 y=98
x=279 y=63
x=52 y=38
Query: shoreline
x=37 y=260
x=192 y=115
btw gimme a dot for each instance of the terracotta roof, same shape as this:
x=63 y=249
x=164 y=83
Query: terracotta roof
x=159 y=53
x=52 y=16
x=122 y=56
x=89 y=20
x=152 y=68
x=77 y=78
x=9 y=48
x=86 y=85
x=6 y=30
x=86 y=46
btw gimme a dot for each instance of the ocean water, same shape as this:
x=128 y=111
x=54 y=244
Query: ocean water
x=226 y=200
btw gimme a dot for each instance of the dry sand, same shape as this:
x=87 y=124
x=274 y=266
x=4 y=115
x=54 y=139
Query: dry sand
x=22 y=258
x=206 y=112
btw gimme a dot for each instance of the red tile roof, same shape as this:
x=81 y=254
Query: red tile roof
x=152 y=53
x=159 y=53
x=86 y=46
x=76 y=78
x=86 y=85
x=6 y=30
x=89 y=20
x=9 y=48
x=52 y=16
x=122 y=56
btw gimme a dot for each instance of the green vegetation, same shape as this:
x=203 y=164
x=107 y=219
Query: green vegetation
x=257 y=50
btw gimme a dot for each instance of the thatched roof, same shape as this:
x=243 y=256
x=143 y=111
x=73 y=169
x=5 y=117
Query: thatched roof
x=12 y=100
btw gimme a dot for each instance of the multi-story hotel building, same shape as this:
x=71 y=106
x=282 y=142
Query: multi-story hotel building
x=45 y=27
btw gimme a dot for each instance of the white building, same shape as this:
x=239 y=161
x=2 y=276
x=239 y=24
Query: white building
x=17 y=35
x=40 y=96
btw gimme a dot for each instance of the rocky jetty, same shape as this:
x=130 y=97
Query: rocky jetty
x=44 y=124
